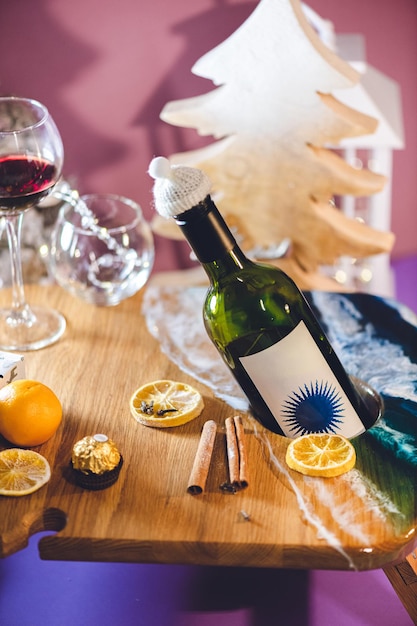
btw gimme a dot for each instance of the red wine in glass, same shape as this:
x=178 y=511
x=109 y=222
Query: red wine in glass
x=24 y=181
x=31 y=158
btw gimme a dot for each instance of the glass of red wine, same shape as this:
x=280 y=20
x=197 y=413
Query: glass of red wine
x=31 y=158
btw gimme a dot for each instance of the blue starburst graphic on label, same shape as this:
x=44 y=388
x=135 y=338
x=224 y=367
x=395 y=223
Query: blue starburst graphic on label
x=317 y=408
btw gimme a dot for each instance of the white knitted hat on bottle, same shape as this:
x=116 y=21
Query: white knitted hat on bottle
x=177 y=188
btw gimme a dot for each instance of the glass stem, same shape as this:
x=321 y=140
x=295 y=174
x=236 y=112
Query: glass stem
x=20 y=313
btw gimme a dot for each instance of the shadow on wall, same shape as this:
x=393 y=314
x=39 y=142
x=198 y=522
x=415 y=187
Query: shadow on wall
x=52 y=60
x=200 y=33
x=49 y=59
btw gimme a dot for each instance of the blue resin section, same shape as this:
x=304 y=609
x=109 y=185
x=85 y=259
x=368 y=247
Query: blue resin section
x=376 y=340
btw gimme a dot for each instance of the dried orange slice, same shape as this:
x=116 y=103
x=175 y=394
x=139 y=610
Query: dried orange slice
x=318 y=454
x=166 y=403
x=22 y=472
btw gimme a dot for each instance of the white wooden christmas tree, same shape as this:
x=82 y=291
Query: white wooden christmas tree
x=272 y=116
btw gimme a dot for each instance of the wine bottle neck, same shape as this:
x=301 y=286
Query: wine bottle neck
x=210 y=238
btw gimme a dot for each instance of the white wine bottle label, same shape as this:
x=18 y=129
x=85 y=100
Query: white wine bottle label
x=300 y=389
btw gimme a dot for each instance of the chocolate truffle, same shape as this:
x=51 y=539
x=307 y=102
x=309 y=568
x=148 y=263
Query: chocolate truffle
x=96 y=462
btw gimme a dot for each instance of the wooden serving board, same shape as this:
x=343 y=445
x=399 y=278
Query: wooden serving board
x=280 y=520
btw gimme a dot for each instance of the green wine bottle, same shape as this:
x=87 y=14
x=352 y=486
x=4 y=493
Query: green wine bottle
x=260 y=322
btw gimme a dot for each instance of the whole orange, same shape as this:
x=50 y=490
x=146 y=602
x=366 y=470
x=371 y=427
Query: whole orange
x=30 y=412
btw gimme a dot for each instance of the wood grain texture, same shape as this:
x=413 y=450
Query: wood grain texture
x=404 y=580
x=148 y=516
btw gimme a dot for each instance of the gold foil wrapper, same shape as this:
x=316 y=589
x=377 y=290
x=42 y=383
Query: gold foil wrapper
x=96 y=454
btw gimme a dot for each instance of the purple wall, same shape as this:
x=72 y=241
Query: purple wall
x=106 y=69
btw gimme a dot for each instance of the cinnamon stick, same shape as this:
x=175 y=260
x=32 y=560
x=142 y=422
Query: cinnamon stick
x=243 y=459
x=232 y=451
x=236 y=452
x=200 y=469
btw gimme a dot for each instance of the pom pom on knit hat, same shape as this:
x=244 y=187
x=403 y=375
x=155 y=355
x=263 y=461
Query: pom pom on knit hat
x=177 y=188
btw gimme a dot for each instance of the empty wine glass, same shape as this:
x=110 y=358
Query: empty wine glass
x=102 y=248
x=31 y=158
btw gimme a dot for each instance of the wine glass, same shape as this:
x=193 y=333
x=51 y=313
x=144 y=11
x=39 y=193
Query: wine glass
x=102 y=248
x=31 y=157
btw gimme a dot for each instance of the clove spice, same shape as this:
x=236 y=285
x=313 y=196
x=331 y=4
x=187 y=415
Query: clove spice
x=149 y=409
